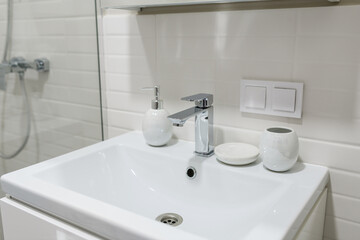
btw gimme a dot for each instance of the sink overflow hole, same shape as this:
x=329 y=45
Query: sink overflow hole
x=172 y=219
x=191 y=172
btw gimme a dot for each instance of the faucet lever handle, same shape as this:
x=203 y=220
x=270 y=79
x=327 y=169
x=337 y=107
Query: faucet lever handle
x=202 y=100
x=41 y=65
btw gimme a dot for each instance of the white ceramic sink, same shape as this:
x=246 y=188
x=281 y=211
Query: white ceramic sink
x=118 y=187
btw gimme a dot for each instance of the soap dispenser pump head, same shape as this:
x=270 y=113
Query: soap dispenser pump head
x=156 y=103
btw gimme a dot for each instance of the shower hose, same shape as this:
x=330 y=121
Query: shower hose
x=22 y=83
x=28 y=120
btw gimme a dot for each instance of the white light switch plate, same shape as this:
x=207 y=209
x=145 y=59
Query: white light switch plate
x=271 y=98
x=255 y=97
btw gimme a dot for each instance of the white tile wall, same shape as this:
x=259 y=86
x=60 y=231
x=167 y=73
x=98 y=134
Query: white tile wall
x=65 y=102
x=211 y=52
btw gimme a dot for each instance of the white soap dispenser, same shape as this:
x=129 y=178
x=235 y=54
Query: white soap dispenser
x=156 y=127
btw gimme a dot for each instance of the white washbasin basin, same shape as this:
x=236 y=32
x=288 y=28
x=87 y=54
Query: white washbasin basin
x=118 y=187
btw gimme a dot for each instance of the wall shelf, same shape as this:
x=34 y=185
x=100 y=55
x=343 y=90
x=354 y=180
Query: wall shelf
x=196 y=5
x=138 y=4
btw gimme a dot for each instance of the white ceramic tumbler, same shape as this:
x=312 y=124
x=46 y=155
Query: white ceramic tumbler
x=279 y=148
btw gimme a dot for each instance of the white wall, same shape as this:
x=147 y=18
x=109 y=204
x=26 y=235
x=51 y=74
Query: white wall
x=211 y=52
x=65 y=101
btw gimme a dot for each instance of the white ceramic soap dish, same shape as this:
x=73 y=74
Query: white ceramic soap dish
x=236 y=153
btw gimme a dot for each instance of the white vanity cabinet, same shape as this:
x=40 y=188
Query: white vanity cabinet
x=21 y=222
x=24 y=222
x=313 y=225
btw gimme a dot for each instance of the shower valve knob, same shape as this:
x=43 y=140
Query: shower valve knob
x=42 y=64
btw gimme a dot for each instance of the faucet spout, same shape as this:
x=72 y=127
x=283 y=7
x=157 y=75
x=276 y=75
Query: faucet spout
x=203 y=113
x=179 y=119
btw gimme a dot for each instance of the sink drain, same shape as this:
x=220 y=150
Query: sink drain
x=172 y=219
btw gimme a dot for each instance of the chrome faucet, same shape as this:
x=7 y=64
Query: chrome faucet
x=204 y=115
x=20 y=65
